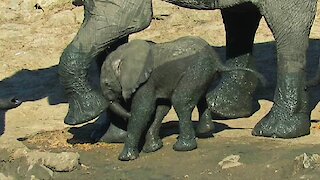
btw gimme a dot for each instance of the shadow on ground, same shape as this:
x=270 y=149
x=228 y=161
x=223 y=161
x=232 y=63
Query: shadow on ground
x=32 y=85
x=82 y=134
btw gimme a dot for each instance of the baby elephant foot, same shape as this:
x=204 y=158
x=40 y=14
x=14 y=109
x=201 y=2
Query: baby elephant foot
x=185 y=144
x=204 y=128
x=152 y=145
x=129 y=154
x=280 y=123
x=205 y=125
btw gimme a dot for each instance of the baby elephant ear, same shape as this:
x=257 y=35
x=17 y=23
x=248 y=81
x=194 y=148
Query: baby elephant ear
x=136 y=66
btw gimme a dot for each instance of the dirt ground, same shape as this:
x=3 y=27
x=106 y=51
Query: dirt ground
x=31 y=43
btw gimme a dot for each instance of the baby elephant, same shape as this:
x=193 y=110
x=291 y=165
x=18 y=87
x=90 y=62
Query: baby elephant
x=145 y=74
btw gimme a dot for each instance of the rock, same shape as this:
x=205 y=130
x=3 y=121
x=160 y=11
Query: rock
x=230 y=161
x=39 y=172
x=3 y=177
x=19 y=153
x=62 y=18
x=63 y=162
x=305 y=161
x=59 y=162
x=11 y=145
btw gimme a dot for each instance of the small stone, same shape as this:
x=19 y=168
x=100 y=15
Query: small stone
x=62 y=162
x=230 y=161
x=58 y=162
x=19 y=153
x=307 y=161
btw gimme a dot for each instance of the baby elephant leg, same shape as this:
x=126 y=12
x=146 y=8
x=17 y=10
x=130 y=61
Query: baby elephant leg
x=142 y=109
x=153 y=141
x=187 y=94
x=205 y=125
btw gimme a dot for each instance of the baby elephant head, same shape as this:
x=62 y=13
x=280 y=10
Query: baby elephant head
x=124 y=71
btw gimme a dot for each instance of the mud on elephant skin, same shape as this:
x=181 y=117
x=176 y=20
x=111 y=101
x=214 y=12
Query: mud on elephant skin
x=147 y=73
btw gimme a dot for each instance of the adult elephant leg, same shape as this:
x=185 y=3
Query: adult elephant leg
x=232 y=97
x=113 y=131
x=104 y=23
x=289 y=116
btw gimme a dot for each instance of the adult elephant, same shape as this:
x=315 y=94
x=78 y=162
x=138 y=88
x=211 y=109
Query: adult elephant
x=290 y=22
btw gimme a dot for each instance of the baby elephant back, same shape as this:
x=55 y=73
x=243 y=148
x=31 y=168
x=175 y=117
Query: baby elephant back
x=182 y=48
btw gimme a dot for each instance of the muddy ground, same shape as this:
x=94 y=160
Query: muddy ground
x=31 y=42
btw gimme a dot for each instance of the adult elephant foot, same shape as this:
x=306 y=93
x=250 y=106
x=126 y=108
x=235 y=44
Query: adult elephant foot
x=9 y=103
x=233 y=97
x=289 y=116
x=280 y=123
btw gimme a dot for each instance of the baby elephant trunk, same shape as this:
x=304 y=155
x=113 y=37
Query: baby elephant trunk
x=119 y=110
x=257 y=74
